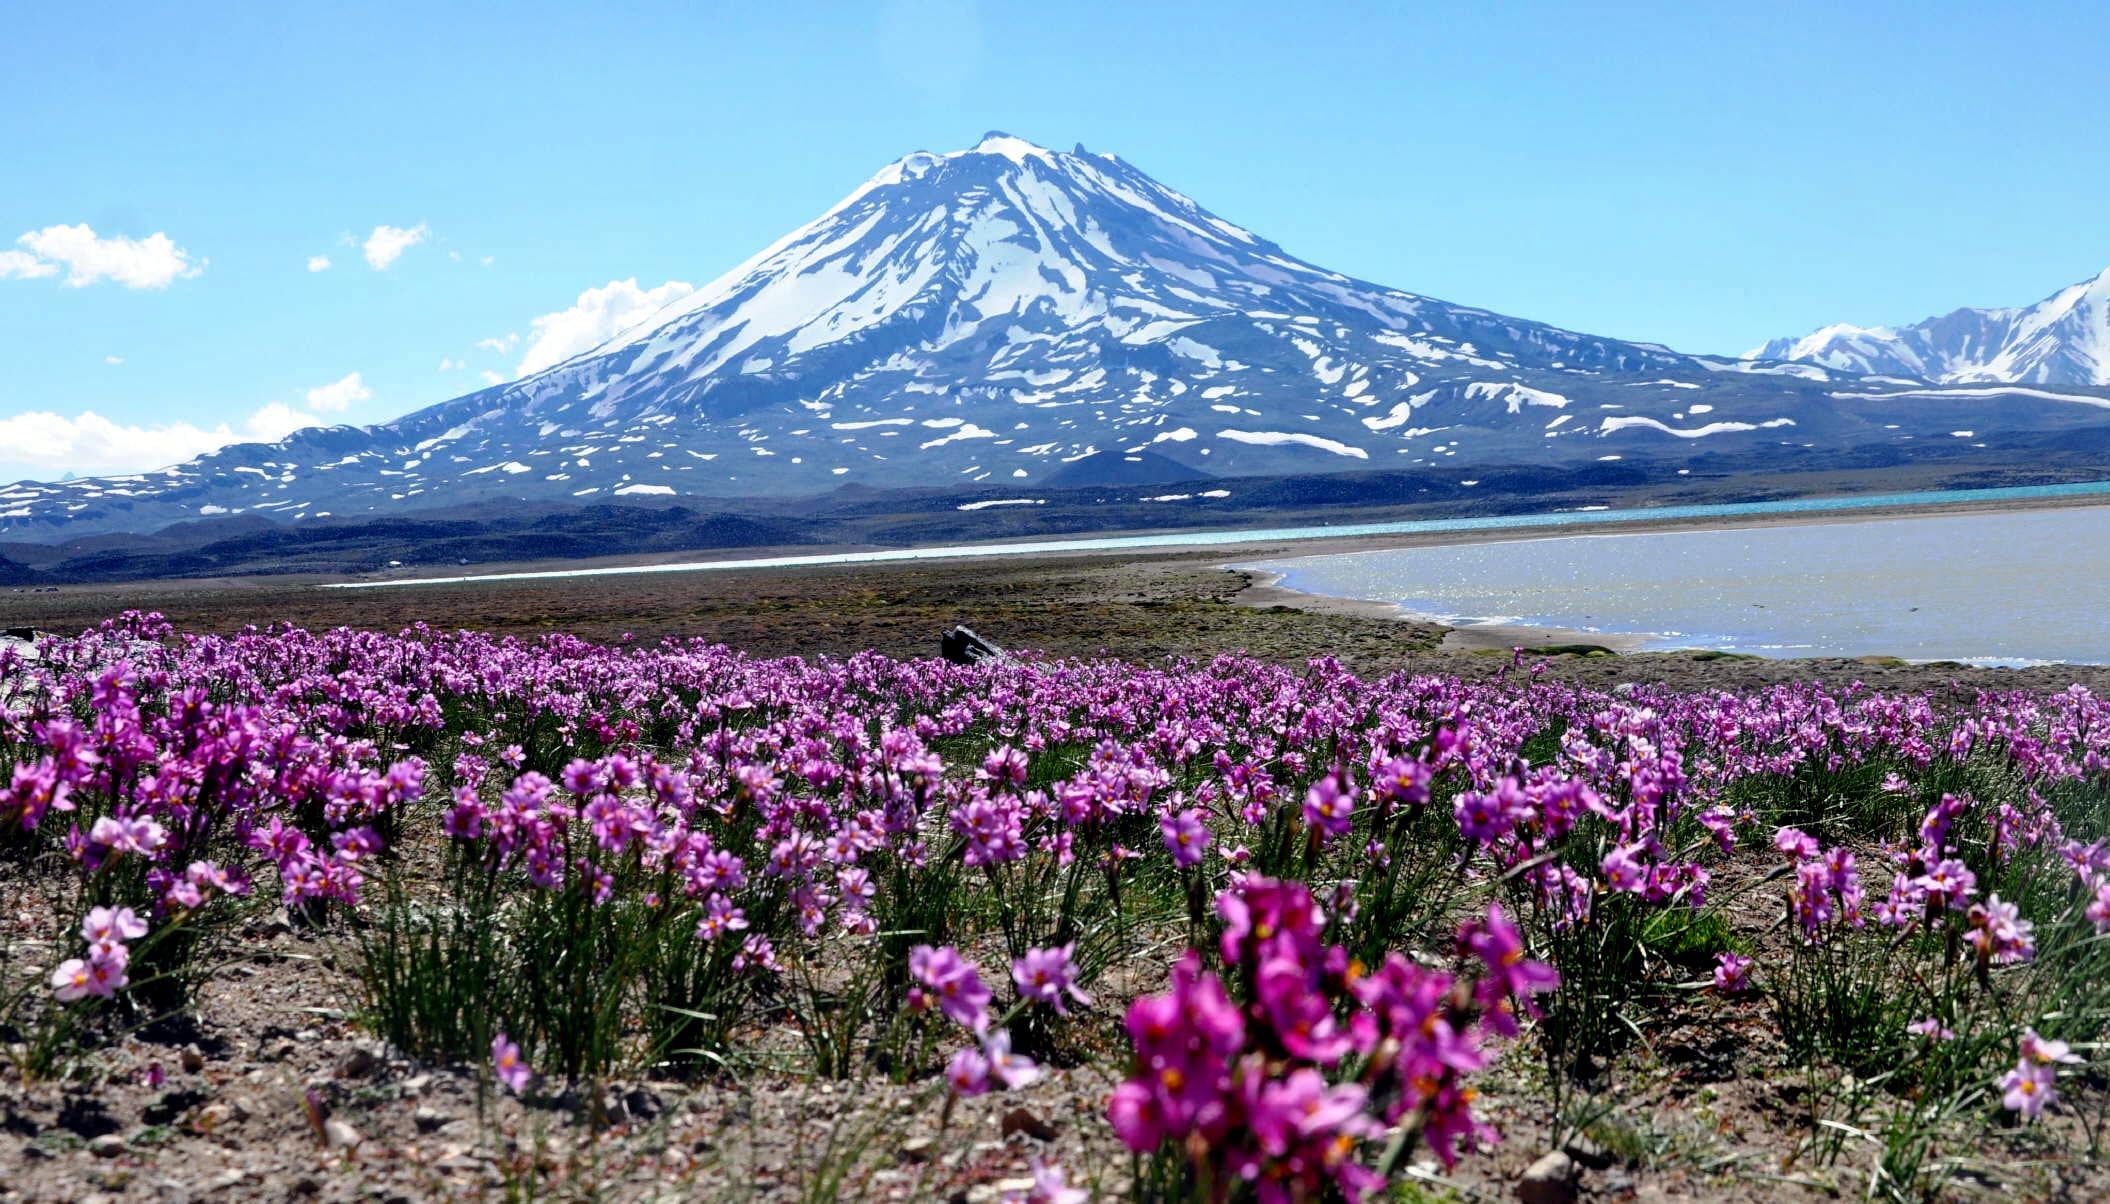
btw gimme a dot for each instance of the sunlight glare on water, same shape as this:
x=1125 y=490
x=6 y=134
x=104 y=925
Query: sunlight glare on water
x=1989 y=588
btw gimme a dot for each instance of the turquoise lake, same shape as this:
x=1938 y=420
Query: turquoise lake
x=1220 y=538
x=2019 y=587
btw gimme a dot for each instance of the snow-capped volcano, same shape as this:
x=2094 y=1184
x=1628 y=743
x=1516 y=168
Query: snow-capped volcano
x=2061 y=340
x=1010 y=315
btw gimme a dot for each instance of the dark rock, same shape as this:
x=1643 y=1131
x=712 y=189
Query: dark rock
x=1022 y=1120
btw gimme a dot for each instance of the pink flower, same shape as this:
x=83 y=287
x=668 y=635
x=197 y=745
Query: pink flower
x=1047 y=975
x=1286 y=1113
x=1186 y=837
x=2027 y=1088
x=1932 y=1029
x=102 y=975
x=2000 y=934
x=1622 y=872
x=2046 y=1053
x=1329 y=806
x=953 y=982
x=1510 y=976
x=1010 y=1069
x=112 y=925
x=1732 y=973
x=968 y=1073
x=1795 y=844
x=1049 y=1187
x=508 y=1066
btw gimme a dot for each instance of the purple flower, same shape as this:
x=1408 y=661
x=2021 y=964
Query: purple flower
x=508 y=1066
x=1329 y=806
x=1047 y=975
x=1049 y=1187
x=1010 y=1069
x=1509 y=976
x=2027 y=1088
x=1186 y=837
x=1623 y=871
x=968 y=1073
x=1732 y=973
x=2046 y=1053
x=112 y=926
x=952 y=981
x=2000 y=934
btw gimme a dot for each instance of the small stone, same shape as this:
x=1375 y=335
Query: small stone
x=340 y=1135
x=109 y=1145
x=917 y=1149
x=358 y=1064
x=216 y=1116
x=192 y=1059
x=415 y=1085
x=1550 y=1180
x=428 y=1119
x=226 y=1179
x=643 y=1103
x=1018 y=1186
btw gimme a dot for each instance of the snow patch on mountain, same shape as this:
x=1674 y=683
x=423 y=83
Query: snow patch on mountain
x=2061 y=340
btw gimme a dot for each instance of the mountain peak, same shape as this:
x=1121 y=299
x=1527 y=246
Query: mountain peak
x=985 y=320
x=1018 y=150
x=2062 y=340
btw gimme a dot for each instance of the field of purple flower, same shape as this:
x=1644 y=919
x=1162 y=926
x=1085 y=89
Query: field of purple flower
x=1322 y=938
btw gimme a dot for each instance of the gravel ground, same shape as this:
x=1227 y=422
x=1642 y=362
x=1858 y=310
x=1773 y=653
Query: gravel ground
x=1696 y=1113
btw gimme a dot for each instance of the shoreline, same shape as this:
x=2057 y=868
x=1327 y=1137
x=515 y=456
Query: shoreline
x=1265 y=589
x=1266 y=586
x=1220 y=544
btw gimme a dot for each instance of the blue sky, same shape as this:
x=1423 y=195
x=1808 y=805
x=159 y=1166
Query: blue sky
x=1705 y=176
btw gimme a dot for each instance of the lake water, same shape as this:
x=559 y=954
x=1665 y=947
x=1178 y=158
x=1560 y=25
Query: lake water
x=1220 y=538
x=2014 y=588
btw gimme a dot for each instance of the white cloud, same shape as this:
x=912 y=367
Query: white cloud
x=501 y=345
x=151 y=262
x=318 y=263
x=113 y=359
x=597 y=316
x=42 y=443
x=276 y=420
x=486 y=261
x=340 y=394
x=451 y=365
x=22 y=265
x=387 y=244
x=492 y=378
x=456 y=256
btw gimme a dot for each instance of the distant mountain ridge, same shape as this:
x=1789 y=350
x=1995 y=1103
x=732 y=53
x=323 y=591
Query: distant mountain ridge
x=1009 y=317
x=2061 y=340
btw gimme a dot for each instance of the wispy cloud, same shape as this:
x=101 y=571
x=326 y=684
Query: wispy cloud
x=318 y=263
x=597 y=316
x=88 y=258
x=451 y=365
x=387 y=244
